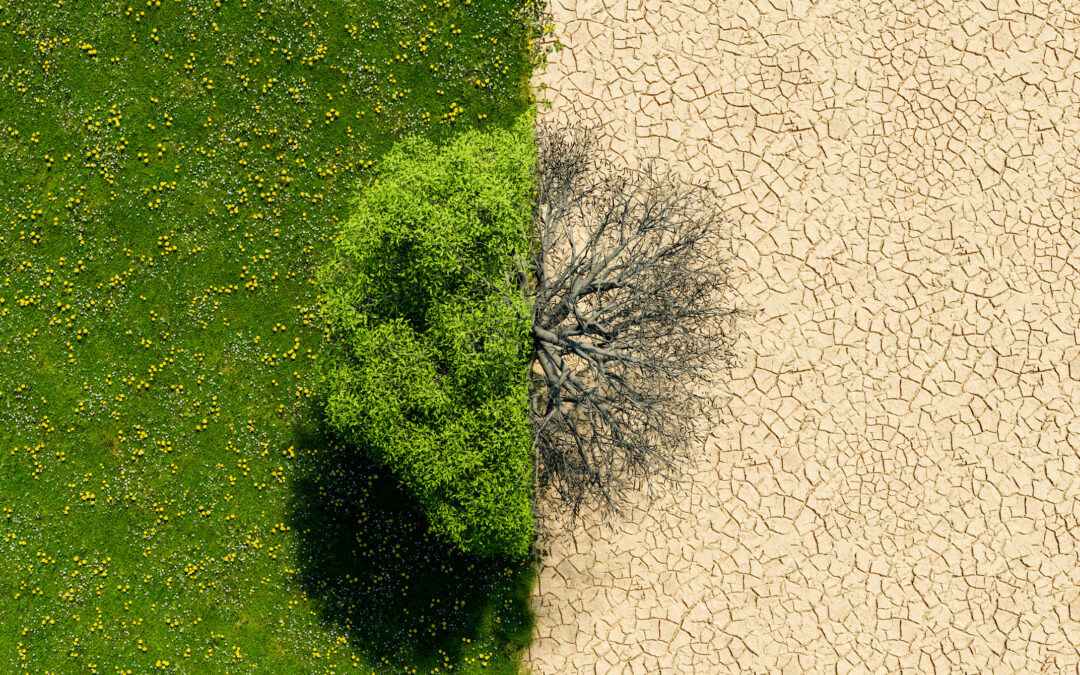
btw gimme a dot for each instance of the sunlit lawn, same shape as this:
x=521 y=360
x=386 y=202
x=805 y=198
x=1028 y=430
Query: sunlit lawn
x=171 y=173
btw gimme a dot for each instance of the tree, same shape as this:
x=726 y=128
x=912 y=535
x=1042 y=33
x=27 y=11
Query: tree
x=429 y=332
x=624 y=279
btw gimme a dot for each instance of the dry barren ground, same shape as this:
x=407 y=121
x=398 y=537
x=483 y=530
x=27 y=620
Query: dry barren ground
x=894 y=485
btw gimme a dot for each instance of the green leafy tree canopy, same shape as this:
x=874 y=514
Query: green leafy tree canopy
x=430 y=332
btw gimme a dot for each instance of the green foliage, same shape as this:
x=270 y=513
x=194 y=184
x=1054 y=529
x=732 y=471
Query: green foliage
x=171 y=175
x=431 y=338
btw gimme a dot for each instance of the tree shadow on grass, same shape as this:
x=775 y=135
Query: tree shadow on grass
x=406 y=599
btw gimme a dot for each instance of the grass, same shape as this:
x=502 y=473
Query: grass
x=171 y=175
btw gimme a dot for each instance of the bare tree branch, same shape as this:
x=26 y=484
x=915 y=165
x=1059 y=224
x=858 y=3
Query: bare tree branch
x=626 y=289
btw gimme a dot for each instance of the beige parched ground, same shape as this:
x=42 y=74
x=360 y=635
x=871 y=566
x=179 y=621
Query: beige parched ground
x=895 y=485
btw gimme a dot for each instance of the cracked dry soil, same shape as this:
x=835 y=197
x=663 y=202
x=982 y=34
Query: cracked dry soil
x=894 y=484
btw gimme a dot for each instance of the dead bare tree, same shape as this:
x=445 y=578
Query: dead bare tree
x=626 y=278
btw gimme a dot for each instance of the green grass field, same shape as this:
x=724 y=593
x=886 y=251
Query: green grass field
x=171 y=175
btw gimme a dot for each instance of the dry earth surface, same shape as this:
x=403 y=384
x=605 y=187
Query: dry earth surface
x=894 y=483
